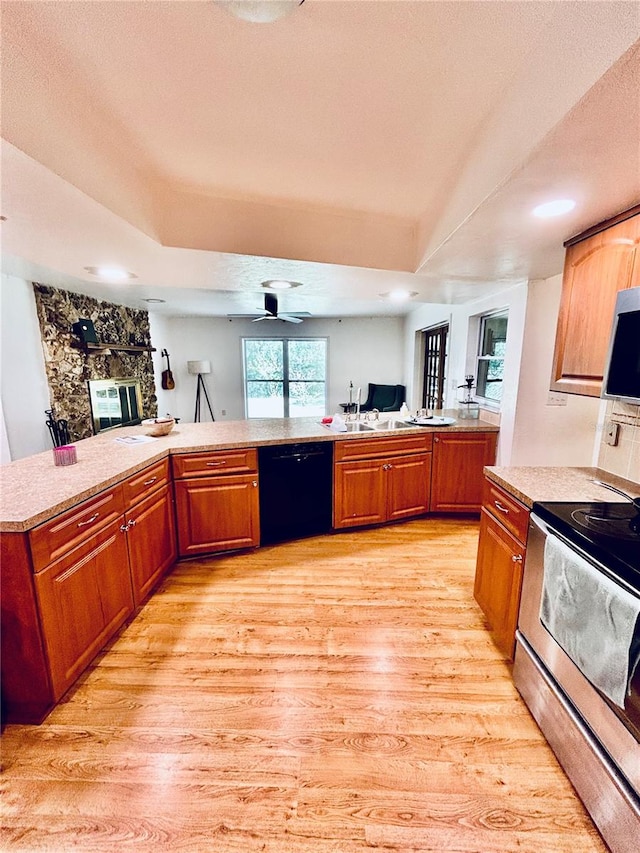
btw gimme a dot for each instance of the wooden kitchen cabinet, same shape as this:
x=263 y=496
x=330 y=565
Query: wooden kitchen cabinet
x=67 y=586
x=83 y=598
x=216 y=508
x=457 y=477
x=595 y=269
x=501 y=554
x=391 y=482
x=150 y=526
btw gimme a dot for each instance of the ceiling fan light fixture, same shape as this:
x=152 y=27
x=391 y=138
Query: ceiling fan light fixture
x=280 y=284
x=260 y=11
x=558 y=207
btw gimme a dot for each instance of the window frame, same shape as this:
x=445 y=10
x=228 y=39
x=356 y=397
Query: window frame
x=434 y=365
x=488 y=402
x=286 y=381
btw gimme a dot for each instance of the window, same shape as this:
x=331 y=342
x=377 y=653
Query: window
x=435 y=356
x=284 y=377
x=490 y=360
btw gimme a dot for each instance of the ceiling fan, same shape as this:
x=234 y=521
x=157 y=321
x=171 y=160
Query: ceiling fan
x=271 y=312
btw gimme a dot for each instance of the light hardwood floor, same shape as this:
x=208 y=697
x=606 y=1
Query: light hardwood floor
x=333 y=695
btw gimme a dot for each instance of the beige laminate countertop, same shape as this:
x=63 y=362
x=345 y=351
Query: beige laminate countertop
x=33 y=490
x=559 y=484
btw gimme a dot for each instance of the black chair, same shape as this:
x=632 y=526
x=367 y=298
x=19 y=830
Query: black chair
x=384 y=398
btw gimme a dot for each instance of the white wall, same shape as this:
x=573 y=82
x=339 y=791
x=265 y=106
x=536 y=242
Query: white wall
x=515 y=300
x=546 y=434
x=361 y=350
x=159 y=329
x=23 y=388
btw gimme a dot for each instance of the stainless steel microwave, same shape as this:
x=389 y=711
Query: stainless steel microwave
x=622 y=370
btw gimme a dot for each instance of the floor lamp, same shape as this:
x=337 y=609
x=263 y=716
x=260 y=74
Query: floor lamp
x=197 y=368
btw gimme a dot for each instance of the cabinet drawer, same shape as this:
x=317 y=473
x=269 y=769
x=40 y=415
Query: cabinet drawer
x=241 y=461
x=54 y=538
x=145 y=482
x=372 y=448
x=510 y=512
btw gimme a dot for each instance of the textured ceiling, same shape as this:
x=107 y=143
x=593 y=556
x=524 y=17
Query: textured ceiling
x=206 y=153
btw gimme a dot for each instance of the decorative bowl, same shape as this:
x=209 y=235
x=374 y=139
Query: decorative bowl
x=159 y=426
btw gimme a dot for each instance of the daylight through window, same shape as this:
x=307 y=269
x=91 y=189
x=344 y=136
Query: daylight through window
x=285 y=377
x=490 y=361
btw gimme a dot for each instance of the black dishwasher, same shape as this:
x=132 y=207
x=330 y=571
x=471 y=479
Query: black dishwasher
x=296 y=490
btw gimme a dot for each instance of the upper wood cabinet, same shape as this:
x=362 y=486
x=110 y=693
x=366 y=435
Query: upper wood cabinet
x=596 y=268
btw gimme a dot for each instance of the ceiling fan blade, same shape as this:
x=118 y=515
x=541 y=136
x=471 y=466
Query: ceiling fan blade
x=288 y=318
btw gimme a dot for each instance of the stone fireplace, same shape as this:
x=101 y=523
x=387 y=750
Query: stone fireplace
x=70 y=365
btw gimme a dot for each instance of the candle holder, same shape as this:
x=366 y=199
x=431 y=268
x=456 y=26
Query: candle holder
x=65 y=455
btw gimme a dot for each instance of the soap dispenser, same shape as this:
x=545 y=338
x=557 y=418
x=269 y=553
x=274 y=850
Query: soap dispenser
x=404 y=410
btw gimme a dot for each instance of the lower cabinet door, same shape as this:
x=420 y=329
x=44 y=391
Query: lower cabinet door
x=152 y=541
x=359 y=493
x=457 y=481
x=217 y=514
x=408 y=484
x=498 y=581
x=83 y=599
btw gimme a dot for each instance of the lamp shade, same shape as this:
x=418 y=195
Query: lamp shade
x=197 y=367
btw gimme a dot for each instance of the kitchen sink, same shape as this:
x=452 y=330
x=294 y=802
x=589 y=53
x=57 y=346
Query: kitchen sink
x=391 y=424
x=358 y=426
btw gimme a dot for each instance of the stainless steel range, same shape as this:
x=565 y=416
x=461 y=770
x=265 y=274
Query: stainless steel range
x=577 y=650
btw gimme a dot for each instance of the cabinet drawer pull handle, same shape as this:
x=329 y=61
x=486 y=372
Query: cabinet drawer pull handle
x=255 y=484
x=435 y=438
x=517 y=558
x=124 y=527
x=89 y=520
x=131 y=523
x=216 y=464
x=150 y=482
x=499 y=506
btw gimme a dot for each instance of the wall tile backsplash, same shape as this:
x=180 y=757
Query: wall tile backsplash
x=624 y=458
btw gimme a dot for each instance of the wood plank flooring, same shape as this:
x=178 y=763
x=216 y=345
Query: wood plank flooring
x=333 y=695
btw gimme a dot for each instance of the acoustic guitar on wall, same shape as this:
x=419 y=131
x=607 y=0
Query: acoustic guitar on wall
x=168 y=382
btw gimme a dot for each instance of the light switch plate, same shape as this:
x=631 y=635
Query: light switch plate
x=611 y=433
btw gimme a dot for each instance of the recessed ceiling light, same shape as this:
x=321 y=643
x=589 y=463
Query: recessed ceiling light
x=113 y=274
x=554 y=208
x=260 y=11
x=399 y=295
x=154 y=301
x=280 y=284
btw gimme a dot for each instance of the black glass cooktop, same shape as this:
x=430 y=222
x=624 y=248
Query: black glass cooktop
x=610 y=532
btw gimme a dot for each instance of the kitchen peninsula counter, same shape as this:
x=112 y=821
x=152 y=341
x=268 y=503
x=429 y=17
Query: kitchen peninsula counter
x=531 y=484
x=33 y=490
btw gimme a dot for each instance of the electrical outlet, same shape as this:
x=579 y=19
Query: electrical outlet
x=223 y=412
x=555 y=398
x=611 y=433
